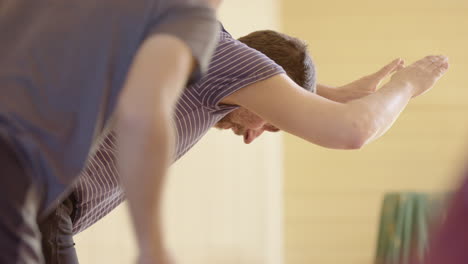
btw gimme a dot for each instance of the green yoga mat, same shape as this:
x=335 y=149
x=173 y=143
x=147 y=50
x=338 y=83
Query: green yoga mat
x=405 y=222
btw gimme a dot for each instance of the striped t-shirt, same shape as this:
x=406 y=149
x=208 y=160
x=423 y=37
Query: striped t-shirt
x=234 y=66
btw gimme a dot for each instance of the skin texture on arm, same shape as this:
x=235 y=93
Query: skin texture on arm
x=145 y=136
x=332 y=124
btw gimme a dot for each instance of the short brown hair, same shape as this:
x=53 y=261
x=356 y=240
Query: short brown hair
x=288 y=52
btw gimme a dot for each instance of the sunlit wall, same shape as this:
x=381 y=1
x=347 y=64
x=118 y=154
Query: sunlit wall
x=333 y=198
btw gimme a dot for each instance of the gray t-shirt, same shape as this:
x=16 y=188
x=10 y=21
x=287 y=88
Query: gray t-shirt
x=63 y=64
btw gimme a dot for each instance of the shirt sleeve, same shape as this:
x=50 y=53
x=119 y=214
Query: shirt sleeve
x=234 y=66
x=195 y=25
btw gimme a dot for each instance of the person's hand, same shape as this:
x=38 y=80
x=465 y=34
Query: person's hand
x=368 y=84
x=422 y=74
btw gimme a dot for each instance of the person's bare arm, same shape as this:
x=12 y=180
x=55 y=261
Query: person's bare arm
x=361 y=87
x=159 y=72
x=338 y=125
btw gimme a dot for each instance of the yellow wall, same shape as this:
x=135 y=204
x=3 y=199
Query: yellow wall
x=333 y=197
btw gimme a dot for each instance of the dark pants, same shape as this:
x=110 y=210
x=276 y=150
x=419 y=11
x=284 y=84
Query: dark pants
x=20 y=202
x=20 y=205
x=57 y=236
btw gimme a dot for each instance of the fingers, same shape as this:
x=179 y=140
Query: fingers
x=431 y=62
x=437 y=61
x=440 y=66
x=390 y=68
x=425 y=62
x=435 y=64
x=400 y=66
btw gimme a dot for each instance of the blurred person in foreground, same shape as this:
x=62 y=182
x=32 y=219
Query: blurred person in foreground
x=449 y=243
x=67 y=69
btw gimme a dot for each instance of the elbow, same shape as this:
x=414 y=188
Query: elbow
x=354 y=144
x=352 y=136
x=361 y=132
x=353 y=132
x=360 y=127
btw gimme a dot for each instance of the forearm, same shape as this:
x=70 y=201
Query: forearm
x=353 y=124
x=377 y=112
x=144 y=155
x=328 y=92
x=373 y=114
x=145 y=135
x=346 y=93
x=361 y=87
